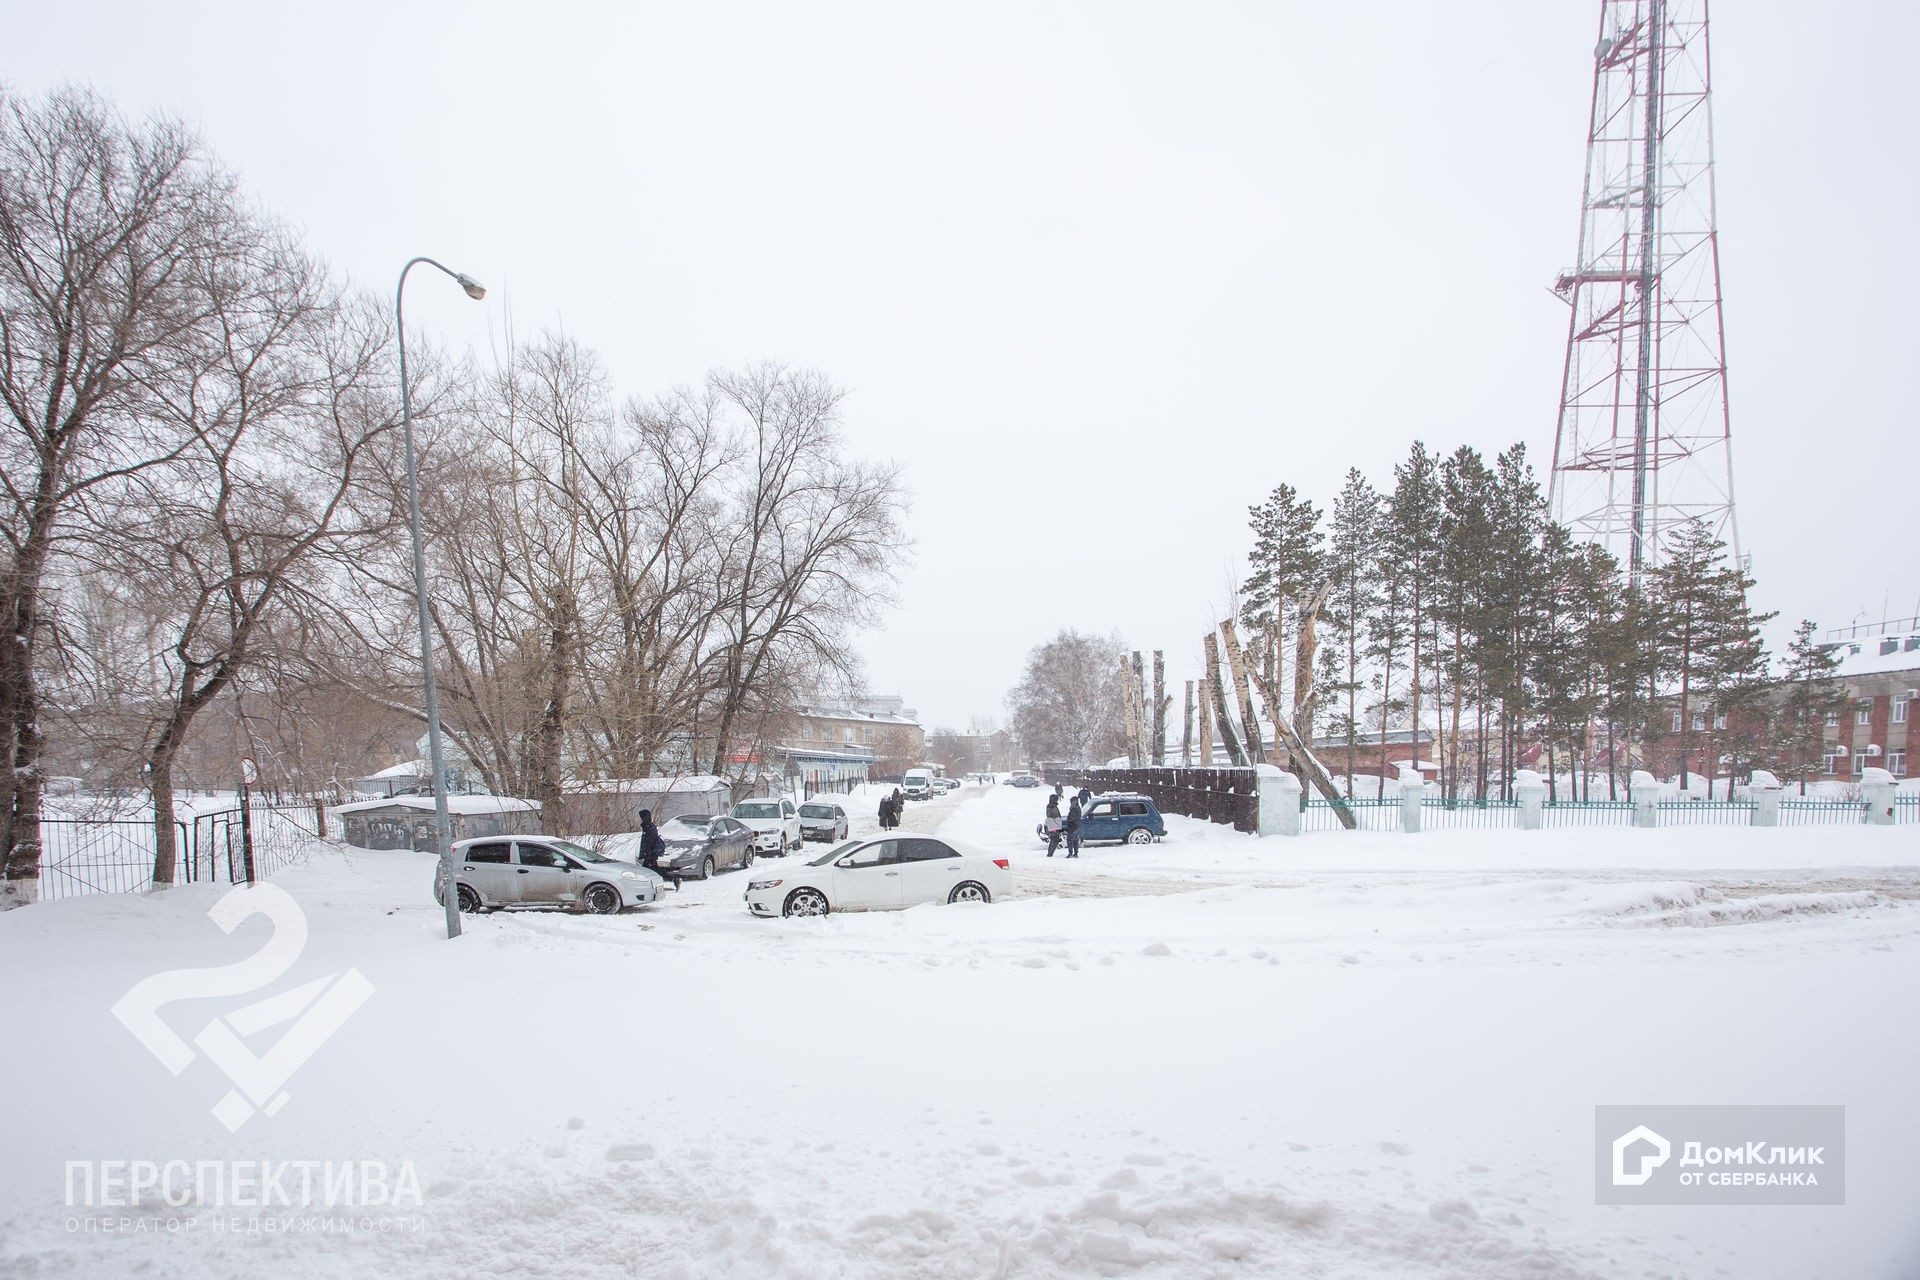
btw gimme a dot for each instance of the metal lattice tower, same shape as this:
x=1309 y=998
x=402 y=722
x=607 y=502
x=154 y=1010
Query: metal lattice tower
x=1644 y=442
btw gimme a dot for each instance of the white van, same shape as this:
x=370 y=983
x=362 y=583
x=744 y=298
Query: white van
x=917 y=784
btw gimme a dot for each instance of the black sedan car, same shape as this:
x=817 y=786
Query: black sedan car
x=699 y=845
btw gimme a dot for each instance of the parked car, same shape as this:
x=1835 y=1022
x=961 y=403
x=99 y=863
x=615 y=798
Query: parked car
x=699 y=845
x=1113 y=818
x=775 y=824
x=944 y=785
x=823 y=820
x=539 y=871
x=1021 y=778
x=882 y=875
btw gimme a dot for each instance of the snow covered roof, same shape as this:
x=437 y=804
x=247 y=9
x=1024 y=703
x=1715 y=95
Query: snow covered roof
x=868 y=713
x=1877 y=655
x=686 y=782
x=455 y=804
x=405 y=769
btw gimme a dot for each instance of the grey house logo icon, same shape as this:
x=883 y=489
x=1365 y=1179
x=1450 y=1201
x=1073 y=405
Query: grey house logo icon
x=1647 y=1162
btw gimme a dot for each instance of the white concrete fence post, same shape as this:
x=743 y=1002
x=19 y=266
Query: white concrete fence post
x=1413 y=791
x=1764 y=789
x=1279 y=802
x=1876 y=788
x=1530 y=799
x=1644 y=790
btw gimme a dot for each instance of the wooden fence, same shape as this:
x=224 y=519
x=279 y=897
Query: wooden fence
x=1227 y=796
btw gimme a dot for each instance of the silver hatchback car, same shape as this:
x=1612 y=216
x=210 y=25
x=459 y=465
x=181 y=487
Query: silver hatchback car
x=540 y=871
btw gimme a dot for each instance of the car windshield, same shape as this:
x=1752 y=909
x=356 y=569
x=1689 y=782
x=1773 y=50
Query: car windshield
x=836 y=851
x=756 y=811
x=698 y=821
x=815 y=811
x=576 y=851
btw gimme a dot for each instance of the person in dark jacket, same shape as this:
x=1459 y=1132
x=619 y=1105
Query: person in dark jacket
x=1085 y=798
x=1054 y=824
x=651 y=843
x=886 y=813
x=1072 y=828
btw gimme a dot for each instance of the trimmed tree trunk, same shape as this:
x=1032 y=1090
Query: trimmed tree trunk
x=1157 y=748
x=1203 y=755
x=1186 y=729
x=1237 y=661
x=1236 y=754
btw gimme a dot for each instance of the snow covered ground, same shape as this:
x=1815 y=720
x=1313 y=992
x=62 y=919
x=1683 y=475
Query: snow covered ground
x=1347 y=1055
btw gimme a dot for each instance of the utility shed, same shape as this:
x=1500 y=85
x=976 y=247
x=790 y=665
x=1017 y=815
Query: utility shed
x=607 y=808
x=406 y=822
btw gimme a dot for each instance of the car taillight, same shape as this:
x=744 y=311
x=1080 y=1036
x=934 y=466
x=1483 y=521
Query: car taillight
x=1000 y=863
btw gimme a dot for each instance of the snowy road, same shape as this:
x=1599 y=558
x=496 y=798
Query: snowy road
x=1344 y=1056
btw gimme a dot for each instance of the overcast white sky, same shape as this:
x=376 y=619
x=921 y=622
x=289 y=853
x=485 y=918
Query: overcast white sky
x=1100 y=275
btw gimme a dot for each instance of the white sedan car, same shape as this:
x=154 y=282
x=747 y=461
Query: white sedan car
x=882 y=875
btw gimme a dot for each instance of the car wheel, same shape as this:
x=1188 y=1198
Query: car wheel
x=706 y=868
x=1139 y=835
x=602 y=899
x=969 y=891
x=805 y=902
x=748 y=860
x=469 y=900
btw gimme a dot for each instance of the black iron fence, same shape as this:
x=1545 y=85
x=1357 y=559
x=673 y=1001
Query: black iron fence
x=1226 y=796
x=80 y=855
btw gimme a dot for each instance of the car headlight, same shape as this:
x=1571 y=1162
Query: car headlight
x=763 y=884
x=629 y=875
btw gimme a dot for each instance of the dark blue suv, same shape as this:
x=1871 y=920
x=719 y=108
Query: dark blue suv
x=1118 y=818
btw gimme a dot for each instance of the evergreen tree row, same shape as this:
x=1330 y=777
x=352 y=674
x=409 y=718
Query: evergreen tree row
x=1459 y=609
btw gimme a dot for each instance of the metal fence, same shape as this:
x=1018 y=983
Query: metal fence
x=1706 y=813
x=1588 y=813
x=1906 y=808
x=1802 y=813
x=1438 y=814
x=115 y=855
x=1368 y=815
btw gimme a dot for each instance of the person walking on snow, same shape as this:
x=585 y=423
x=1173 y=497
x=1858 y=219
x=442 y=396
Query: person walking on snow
x=651 y=845
x=1054 y=825
x=1073 y=828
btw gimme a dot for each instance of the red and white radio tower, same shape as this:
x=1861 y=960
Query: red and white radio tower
x=1644 y=442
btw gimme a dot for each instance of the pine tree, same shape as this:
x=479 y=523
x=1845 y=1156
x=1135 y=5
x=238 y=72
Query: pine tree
x=1810 y=696
x=1412 y=533
x=1465 y=561
x=1706 y=639
x=1351 y=546
x=1288 y=564
x=1514 y=586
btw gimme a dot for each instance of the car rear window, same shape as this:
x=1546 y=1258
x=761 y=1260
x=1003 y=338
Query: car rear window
x=487 y=853
x=924 y=850
x=1133 y=808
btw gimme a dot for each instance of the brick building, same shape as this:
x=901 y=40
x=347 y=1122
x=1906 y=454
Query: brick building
x=1881 y=672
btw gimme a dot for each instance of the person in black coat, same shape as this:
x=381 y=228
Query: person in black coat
x=1054 y=824
x=651 y=843
x=886 y=813
x=1072 y=828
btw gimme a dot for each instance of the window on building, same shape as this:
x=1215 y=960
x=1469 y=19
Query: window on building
x=1859 y=763
x=1720 y=721
x=1889 y=645
x=1863 y=713
x=846 y=734
x=1899 y=710
x=1913 y=642
x=1831 y=763
x=1676 y=721
x=1897 y=763
x=866 y=734
x=1833 y=719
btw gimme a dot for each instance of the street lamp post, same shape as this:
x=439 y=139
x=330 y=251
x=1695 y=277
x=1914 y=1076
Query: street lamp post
x=442 y=824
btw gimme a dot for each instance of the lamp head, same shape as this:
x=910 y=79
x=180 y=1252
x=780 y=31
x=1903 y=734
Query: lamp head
x=474 y=288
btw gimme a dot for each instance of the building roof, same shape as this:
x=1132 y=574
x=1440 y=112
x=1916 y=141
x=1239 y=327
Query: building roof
x=1876 y=654
x=405 y=769
x=677 y=784
x=455 y=804
x=1371 y=738
x=883 y=709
